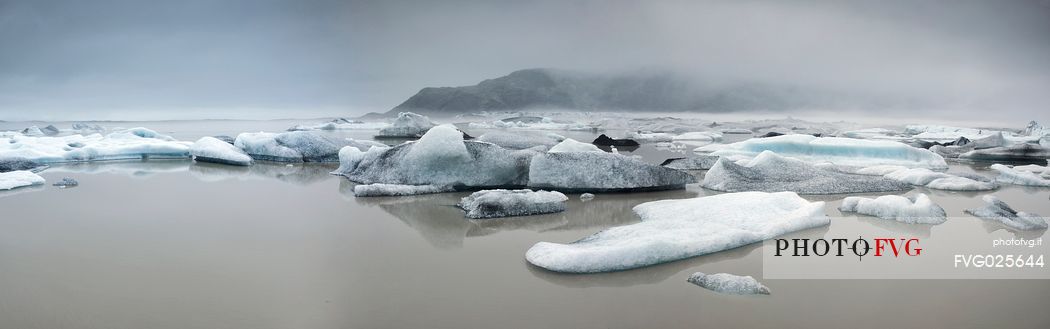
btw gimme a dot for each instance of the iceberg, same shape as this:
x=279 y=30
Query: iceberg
x=407 y=125
x=135 y=143
x=32 y=131
x=211 y=149
x=586 y=197
x=771 y=172
x=571 y=145
x=19 y=178
x=728 y=284
x=601 y=172
x=1016 y=152
x=671 y=230
x=441 y=157
x=874 y=133
x=506 y=203
x=915 y=209
x=312 y=147
x=932 y=179
x=521 y=140
x=1019 y=177
x=294 y=146
x=999 y=211
x=13 y=164
x=713 y=136
x=263 y=146
x=836 y=150
x=380 y=189
x=66 y=182
x=648 y=137
x=699 y=162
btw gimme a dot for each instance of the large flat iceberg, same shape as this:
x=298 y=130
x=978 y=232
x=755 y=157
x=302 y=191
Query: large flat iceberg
x=1020 y=177
x=915 y=209
x=601 y=172
x=19 y=178
x=671 y=230
x=134 y=143
x=836 y=150
x=770 y=172
x=505 y=203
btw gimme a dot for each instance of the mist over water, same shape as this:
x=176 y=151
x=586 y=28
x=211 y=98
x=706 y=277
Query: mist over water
x=199 y=59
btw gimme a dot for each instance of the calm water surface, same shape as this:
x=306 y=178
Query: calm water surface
x=173 y=244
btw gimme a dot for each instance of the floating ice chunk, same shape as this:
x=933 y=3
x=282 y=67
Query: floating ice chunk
x=506 y=203
x=312 y=147
x=874 y=133
x=671 y=230
x=586 y=197
x=1019 y=177
x=50 y=130
x=770 y=172
x=350 y=157
x=1017 y=152
x=699 y=162
x=729 y=284
x=879 y=170
x=601 y=172
x=916 y=176
x=88 y=128
x=19 y=178
x=13 y=164
x=650 y=137
x=932 y=179
x=211 y=149
x=121 y=145
x=407 y=125
x=370 y=190
x=340 y=124
x=534 y=123
x=32 y=131
x=713 y=136
x=442 y=158
x=571 y=145
x=961 y=184
x=264 y=146
x=937 y=133
x=66 y=182
x=915 y=209
x=521 y=140
x=951 y=151
x=836 y=150
x=999 y=211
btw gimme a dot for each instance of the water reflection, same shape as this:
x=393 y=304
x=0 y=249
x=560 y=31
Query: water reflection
x=437 y=219
x=20 y=190
x=298 y=174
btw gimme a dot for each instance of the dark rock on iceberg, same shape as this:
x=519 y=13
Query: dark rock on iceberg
x=772 y=134
x=607 y=141
x=769 y=172
x=601 y=172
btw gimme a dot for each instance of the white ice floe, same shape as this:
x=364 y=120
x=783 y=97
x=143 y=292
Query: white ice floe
x=599 y=172
x=211 y=149
x=571 y=145
x=914 y=209
x=676 y=229
x=135 y=143
x=938 y=133
x=836 y=150
x=771 y=172
x=932 y=179
x=1019 y=177
x=19 y=178
x=999 y=211
x=370 y=190
x=407 y=125
x=713 y=136
x=506 y=203
x=728 y=283
x=520 y=140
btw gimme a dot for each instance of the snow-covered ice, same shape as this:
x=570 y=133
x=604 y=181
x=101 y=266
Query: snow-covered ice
x=671 y=230
x=211 y=149
x=506 y=203
x=379 y=189
x=19 y=178
x=601 y=172
x=999 y=211
x=1019 y=177
x=914 y=209
x=697 y=162
x=407 y=125
x=836 y=150
x=135 y=143
x=520 y=140
x=728 y=283
x=771 y=172
x=571 y=145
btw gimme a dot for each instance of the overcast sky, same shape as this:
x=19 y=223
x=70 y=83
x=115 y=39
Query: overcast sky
x=107 y=59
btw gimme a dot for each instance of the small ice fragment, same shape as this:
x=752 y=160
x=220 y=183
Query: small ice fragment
x=505 y=203
x=379 y=189
x=915 y=209
x=586 y=197
x=66 y=182
x=999 y=211
x=729 y=284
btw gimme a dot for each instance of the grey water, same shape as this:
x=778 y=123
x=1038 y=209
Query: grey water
x=175 y=244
